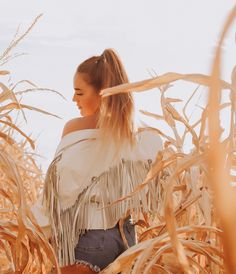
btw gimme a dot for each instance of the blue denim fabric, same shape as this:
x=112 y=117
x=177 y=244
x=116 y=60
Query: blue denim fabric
x=101 y=247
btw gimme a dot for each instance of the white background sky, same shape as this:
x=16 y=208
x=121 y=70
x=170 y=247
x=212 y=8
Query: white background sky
x=163 y=35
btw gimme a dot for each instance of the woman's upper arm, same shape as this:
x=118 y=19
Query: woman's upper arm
x=75 y=124
x=66 y=129
x=70 y=126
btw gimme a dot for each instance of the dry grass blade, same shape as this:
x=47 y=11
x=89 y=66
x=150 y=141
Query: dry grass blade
x=7 y=94
x=219 y=176
x=153 y=115
x=16 y=41
x=146 y=255
x=7 y=138
x=23 y=246
x=169 y=213
x=173 y=100
x=26 y=233
x=20 y=131
x=38 y=89
x=4 y=72
x=12 y=106
x=176 y=116
x=171 y=140
x=8 y=58
x=23 y=81
x=186 y=104
x=159 y=81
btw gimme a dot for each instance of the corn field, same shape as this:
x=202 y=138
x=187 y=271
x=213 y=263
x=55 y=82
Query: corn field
x=193 y=230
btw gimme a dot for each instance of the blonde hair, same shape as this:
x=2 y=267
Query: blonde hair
x=116 y=111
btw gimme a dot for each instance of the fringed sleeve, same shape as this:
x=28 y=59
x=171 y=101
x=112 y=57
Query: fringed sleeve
x=41 y=215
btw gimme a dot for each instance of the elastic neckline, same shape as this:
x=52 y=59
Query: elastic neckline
x=80 y=130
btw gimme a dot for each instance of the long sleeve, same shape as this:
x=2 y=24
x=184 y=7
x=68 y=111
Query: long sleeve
x=41 y=216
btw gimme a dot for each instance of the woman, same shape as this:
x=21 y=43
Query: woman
x=99 y=160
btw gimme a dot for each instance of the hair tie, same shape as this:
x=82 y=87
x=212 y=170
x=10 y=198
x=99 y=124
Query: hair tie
x=103 y=58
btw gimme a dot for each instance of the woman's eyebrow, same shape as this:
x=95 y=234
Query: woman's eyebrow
x=77 y=88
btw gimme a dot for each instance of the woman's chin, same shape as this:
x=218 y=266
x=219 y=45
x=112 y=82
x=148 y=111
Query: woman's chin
x=86 y=113
x=82 y=113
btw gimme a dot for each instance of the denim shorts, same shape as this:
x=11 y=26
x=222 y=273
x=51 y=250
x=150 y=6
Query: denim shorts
x=100 y=247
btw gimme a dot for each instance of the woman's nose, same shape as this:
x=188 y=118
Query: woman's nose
x=73 y=98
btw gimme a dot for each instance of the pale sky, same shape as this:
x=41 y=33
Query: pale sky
x=161 y=35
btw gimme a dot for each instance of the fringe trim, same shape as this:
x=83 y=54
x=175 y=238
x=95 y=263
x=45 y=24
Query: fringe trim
x=111 y=185
x=94 y=268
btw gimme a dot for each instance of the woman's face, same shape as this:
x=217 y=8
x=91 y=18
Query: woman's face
x=86 y=97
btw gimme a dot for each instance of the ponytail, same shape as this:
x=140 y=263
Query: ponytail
x=116 y=112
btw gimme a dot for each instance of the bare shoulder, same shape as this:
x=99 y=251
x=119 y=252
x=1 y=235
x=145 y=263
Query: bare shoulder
x=78 y=124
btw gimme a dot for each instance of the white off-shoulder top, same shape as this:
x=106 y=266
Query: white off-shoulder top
x=83 y=182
